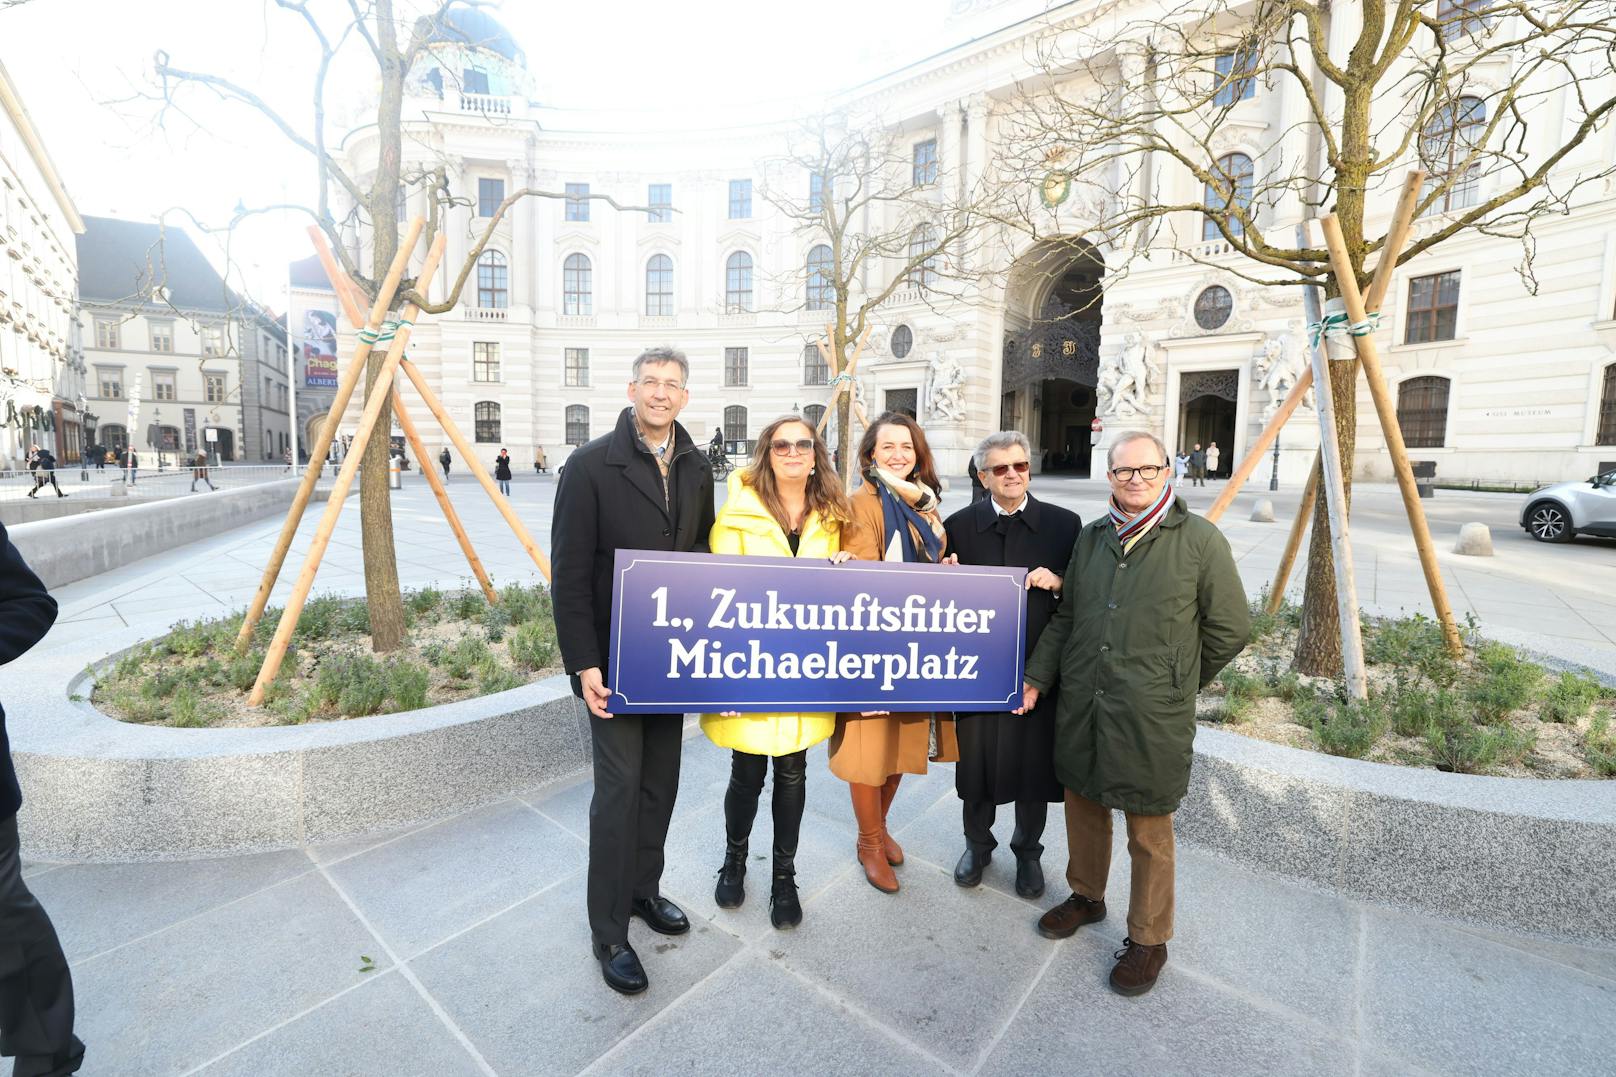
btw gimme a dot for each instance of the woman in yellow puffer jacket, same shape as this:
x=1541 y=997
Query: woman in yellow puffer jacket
x=787 y=503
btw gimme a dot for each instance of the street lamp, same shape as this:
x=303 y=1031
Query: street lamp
x=1273 y=479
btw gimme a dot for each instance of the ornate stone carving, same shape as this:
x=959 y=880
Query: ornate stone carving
x=945 y=393
x=1219 y=383
x=1125 y=378
x=1279 y=367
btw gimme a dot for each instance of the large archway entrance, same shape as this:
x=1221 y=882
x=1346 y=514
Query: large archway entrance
x=1052 y=351
x=1206 y=414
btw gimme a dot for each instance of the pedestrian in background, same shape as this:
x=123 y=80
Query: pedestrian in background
x=36 y=987
x=1197 y=465
x=443 y=458
x=44 y=465
x=200 y=471
x=1181 y=467
x=1213 y=458
x=502 y=472
x=540 y=464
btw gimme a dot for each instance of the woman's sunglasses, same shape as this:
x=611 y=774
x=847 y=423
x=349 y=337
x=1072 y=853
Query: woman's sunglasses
x=1001 y=470
x=781 y=446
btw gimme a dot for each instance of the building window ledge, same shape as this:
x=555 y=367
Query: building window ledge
x=1456 y=342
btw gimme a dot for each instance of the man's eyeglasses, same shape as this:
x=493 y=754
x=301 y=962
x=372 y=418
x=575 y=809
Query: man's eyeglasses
x=1001 y=470
x=783 y=447
x=1148 y=472
x=651 y=385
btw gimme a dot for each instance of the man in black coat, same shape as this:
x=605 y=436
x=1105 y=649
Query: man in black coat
x=644 y=486
x=36 y=989
x=1006 y=758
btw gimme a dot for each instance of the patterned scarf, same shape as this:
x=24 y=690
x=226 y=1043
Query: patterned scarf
x=905 y=503
x=1132 y=528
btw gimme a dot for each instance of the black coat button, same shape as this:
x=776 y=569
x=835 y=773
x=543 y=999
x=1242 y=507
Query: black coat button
x=666 y=532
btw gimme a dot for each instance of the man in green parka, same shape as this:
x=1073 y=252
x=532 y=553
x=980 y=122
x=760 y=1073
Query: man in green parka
x=1153 y=610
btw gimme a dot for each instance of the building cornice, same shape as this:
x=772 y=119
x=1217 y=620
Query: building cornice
x=13 y=105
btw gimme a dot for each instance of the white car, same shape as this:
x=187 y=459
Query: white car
x=1556 y=513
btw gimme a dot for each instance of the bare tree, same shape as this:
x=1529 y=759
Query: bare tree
x=387 y=39
x=875 y=217
x=1144 y=114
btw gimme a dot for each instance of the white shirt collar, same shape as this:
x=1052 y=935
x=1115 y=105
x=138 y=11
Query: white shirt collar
x=997 y=508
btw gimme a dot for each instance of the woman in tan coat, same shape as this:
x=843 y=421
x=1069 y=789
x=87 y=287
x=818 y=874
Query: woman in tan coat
x=895 y=518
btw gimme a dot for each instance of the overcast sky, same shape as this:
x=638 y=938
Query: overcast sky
x=79 y=65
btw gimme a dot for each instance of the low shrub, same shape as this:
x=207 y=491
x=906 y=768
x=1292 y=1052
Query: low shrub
x=1568 y=698
x=355 y=685
x=423 y=602
x=186 y=709
x=1263 y=623
x=467 y=605
x=524 y=604
x=353 y=615
x=1506 y=683
x=533 y=645
x=493 y=677
x=462 y=659
x=406 y=685
x=318 y=620
x=495 y=619
x=1344 y=728
x=1414 y=646
x=1599 y=744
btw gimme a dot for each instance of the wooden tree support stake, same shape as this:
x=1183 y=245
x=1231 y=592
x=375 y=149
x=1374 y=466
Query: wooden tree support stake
x=428 y=465
x=328 y=429
x=501 y=502
x=1293 y=544
x=1386 y=408
x=339 y=491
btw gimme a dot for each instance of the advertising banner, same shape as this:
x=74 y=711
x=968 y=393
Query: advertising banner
x=701 y=632
x=319 y=349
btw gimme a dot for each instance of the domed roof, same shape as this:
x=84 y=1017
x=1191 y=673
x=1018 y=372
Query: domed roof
x=473 y=27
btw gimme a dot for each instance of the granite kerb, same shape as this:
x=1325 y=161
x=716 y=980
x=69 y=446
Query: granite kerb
x=98 y=789
x=1527 y=854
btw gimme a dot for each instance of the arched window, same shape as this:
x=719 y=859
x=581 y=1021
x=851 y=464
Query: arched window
x=493 y=281
x=735 y=423
x=1449 y=138
x=812 y=414
x=577 y=285
x=1233 y=188
x=113 y=436
x=821 y=291
x=814 y=369
x=1422 y=412
x=923 y=256
x=577 y=424
x=485 y=421
x=659 y=286
x=1607 y=409
x=738 y=283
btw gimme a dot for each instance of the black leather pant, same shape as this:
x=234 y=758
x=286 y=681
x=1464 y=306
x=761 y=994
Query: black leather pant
x=746 y=773
x=36 y=989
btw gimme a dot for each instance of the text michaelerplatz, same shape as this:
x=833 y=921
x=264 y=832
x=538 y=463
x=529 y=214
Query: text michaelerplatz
x=700 y=632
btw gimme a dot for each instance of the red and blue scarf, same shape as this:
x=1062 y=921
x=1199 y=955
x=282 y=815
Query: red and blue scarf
x=1129 y=527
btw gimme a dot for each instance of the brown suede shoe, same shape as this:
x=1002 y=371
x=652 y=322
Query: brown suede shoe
x=1137 y=967
x=1064 y=919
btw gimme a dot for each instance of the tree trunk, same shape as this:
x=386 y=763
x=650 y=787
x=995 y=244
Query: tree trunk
x=1318 y=646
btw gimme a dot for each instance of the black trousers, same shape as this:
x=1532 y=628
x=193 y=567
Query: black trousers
x=36 y=989
x=636 y=781
x=1030 y=818
x=746 y=773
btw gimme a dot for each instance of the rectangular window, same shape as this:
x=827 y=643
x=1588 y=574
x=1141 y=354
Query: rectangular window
x=1461 y=18
x=577 y=420
x=474 y=81
x=107 y=334
x=814 y=369
x=816 y=193
x=925 y=162
x=575 y=366
x=163 y=385
x=213 y=388
x=577 y=201
x=485 y=361
x=1235 y=81
x=1433 y=308
x=490 y=193
x=269 y=392
x=660 y=200
x=740 y=199
x=162 y=337
x=213 y=340
x=111 y=380
x=735 y=364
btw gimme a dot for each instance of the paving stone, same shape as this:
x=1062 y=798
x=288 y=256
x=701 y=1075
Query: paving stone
x=1187 y=1024
x=380 y=1029
x=940 y=965
x=98 y=906
x=426 y=886
x=771 y=1021
x=170 y=1002
x=1501 y=1011
x=528 y=994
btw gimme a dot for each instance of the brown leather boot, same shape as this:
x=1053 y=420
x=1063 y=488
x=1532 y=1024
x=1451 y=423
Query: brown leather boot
x=890 y=846
x=871 y=854
x=1064 y=919
x=1137 y=967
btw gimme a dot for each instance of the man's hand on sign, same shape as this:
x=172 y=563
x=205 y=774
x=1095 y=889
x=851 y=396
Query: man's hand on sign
x=840 y=557
x=951 y=559
x=1043 y=579
x=596 y=694
x=1029 y=699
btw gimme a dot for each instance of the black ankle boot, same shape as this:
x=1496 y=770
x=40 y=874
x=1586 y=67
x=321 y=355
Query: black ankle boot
x=784 y=908
x=731 y=889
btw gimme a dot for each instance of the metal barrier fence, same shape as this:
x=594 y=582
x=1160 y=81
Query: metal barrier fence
x=147 y=482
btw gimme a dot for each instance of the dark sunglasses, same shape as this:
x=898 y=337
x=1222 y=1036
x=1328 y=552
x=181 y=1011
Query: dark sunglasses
x=781 y=446
x=1001 y=470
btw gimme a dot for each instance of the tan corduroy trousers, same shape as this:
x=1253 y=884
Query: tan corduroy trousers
x=1150 y=848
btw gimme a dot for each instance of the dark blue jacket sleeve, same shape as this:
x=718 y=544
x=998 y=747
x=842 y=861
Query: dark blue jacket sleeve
x=27 y=610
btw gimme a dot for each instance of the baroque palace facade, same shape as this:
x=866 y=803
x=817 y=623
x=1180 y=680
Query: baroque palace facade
x=1493 y=384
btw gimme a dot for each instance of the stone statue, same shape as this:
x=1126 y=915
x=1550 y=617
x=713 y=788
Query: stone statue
x=1124 y=379
x=946 y=400
x=1279 y=367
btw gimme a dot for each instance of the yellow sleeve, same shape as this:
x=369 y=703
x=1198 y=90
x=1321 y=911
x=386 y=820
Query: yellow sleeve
x=725 y=539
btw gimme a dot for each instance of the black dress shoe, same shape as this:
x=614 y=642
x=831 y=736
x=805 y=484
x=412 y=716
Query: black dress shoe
x=620 y=967
x=660 y=915
x=1029 y=876
x=968 y=872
